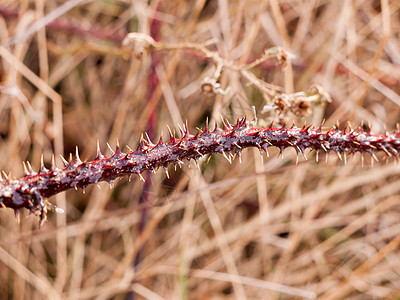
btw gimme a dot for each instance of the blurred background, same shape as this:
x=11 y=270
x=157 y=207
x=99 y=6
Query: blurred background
x=261 y=229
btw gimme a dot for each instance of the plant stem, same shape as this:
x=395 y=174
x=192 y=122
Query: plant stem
x=32 y=190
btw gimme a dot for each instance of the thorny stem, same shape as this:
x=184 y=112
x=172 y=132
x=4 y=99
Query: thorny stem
x=32 y=190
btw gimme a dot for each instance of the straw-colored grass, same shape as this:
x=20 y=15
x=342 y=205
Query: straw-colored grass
x=260 y=229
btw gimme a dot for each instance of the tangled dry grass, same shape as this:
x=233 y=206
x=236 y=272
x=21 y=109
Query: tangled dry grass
x=260 y=229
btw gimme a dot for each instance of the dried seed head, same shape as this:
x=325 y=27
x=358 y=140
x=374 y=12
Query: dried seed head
x=211 y=87
x=139 y=44
x=302 y=108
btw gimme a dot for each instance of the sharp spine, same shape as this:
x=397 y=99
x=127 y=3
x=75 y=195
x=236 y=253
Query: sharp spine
x=64 y=160
x=78 y=159
x=111 y=149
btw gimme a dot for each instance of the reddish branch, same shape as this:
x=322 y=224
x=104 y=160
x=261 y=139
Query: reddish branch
x=73 y=29
x=32 y=190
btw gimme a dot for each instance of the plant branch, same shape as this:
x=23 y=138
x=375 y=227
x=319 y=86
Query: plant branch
x=32 y=190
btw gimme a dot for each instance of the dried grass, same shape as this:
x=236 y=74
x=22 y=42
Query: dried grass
x=255 y=230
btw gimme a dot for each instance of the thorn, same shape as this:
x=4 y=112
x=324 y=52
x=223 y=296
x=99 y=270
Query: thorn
x=117 y=148
x=244 y=121
x=148 y=139
x=141 y=146
x=181 y=130
x=30 y=168
x=236 y=145
x=99 y=155
x=374 y=156
x=160 y=141
x=223 y=123
x=216 y=127
x=109 y=147
x=255 y=120
x=171 y=136
x=316 y=155
x=129 y=177
x=166 y=172
x=186 y=127
x=394 y=150
x=17 y=216
x=227 y=158
x=130 y=150
x=70 y=157
x=43 y=219
x=53 y=164
x=272 y=124
x=339 y=155
x=42 y=167
x=304 y=155
x=64 y=160
x=346 y=128
x=386 y=151
x=206 y=127
x=229 y=124
x=25 y=169
x=349 y=126
x=5 y=175
x=141 y=177
x=78 y=159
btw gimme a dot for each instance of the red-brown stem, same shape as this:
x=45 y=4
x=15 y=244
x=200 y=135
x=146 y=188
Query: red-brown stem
x=151 y=127
x=58 y=25
x=32 y=190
